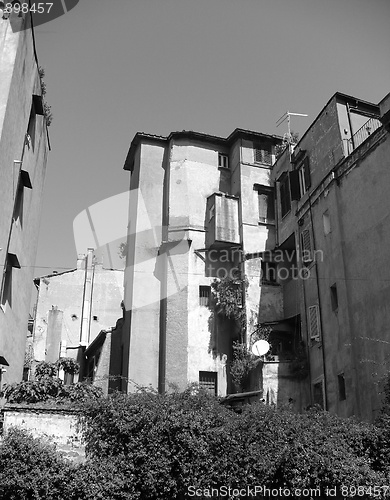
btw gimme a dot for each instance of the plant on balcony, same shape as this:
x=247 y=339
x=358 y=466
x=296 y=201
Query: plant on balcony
x=228 y=297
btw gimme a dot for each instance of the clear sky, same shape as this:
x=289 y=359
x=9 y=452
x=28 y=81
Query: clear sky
x=121 y=66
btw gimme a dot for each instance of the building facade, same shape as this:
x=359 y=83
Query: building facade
x=201 y=209
x=72 y=308
x=23 y=153
x=332 y=218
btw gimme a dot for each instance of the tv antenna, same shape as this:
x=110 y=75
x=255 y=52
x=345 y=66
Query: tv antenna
x=287 y=137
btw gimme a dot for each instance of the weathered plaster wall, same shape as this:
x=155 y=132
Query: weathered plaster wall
x=18 y=82
x=64 y=292
x=58 y=426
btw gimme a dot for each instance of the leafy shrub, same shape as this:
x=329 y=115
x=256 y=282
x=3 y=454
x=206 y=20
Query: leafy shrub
x=69 y=365
x=45 y=369
x=50 y=389
x=31 y=469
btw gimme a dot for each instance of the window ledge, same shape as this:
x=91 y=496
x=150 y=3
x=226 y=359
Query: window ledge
x=224 y=169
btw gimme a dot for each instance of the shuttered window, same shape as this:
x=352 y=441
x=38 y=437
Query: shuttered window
x=307 y=246
x=208 y=381
x=314 y=323
x=262 y=154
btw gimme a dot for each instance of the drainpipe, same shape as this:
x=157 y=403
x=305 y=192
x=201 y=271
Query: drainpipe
x=163 y=256
x=320 y=311
x=87 y=299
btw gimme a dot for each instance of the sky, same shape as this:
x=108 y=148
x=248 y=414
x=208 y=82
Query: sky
x=121 y=66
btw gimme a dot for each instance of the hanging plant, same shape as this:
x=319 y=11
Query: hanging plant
x=228 y=296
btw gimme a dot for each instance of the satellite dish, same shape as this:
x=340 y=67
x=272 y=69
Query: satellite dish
x=260 y=348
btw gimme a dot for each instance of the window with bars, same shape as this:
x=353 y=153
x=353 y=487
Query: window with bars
x=285 y=197
x=314 y=323
x=204 y=295
x=208 y=381
x=262 y=154
x=307 y=246
x=266 y=204
x=223 y=160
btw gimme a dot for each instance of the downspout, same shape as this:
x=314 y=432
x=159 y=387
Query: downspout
x=163 y=256
x=87 y=299
x=319 y=310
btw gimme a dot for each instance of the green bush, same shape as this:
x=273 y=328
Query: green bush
x=147 y=446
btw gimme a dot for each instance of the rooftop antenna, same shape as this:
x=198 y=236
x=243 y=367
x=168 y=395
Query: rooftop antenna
x=287 y=137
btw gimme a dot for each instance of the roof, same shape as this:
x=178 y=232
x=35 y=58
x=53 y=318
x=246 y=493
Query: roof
x=190 y=134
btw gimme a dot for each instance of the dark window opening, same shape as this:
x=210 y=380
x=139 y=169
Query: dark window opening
x=204 y=295
x=341 y=382
x=285 y=197
x=95 y=318
x=208 y=382
x=266 y=204
x=334 y=298
x=318 y=394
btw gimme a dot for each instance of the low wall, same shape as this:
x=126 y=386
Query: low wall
x=57 y=424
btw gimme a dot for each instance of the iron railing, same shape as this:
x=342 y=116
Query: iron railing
x=363 y=133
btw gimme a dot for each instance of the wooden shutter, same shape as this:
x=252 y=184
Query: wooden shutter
x=307 y=249
x=285 y=199
x=314 y=323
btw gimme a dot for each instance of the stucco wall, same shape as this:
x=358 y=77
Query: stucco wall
x=58 y=426
x=18 y=82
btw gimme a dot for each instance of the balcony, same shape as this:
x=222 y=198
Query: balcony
x=363 y=133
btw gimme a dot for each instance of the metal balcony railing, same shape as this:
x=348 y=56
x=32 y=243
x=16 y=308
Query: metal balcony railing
x=363 y=133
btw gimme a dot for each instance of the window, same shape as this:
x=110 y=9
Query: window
x=208 y=381
x=262 y=154
x=307 y=246
x=318 y=394
x=223 y=160
x=334 y=298
x=304 y=177
x=326 y=222
x=266 y=204
x=211 y=212
x=285 y=198
x=341 y=383
x=204 y=295
x=314 y=323
x=268 y=272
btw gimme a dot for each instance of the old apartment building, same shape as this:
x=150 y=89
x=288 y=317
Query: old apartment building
x=309 y=231
x=73 y=308
x=200 y=210
x=23 y=153
x=333 y=225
